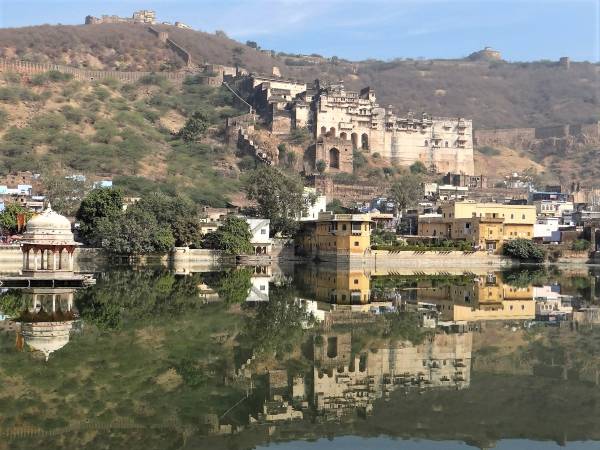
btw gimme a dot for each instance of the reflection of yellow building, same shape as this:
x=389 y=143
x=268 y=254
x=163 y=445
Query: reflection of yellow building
x=338 y=286
x=335 y=235
x=487 y=298
x=486 y=225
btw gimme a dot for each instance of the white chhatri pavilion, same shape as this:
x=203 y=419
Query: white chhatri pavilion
x=48 y=245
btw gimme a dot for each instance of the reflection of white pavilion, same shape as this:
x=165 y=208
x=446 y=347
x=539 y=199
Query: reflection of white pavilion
x=47 y=323
x=48 y=245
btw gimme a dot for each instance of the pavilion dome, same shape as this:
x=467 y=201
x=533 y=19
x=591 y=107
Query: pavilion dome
x=46 y=337
x=49 y=227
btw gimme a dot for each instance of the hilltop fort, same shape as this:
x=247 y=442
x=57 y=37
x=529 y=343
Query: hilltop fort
x=143 y=16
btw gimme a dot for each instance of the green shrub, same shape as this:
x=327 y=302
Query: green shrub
x=73 y=115
x=359 y=159
x=580 y=245
x=488 y=151
x=247 y=163
x=524 y=250
x=3 y=118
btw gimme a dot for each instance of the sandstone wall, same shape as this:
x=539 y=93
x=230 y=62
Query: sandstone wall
x=506 y=137
x=29 y=68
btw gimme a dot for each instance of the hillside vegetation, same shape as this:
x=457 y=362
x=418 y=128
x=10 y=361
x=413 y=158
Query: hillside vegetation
x=56 y=125
x=494 y=94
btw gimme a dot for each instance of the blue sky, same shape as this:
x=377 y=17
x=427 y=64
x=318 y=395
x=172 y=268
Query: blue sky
x=358 y=29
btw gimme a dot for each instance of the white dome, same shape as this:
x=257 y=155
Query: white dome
x=49 y=227
x=49 y=220
x=46 y=337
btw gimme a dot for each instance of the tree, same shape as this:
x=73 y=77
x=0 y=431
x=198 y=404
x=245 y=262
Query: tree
x=418 y=167
x=177 y=212
x=233 y=237
x=8 y=217
x=252 y=44
x=336 y=207
x=137 y=232
x=279 y=198
x=407 y=191
x=101 y=203
x=523 y=250
x=195 y=127
x=321 y=166
x=65 y=194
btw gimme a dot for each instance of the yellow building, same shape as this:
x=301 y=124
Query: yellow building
x=487 y=298
x=486 y=225
x=334 y=235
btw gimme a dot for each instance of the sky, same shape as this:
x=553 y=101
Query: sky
x=523 y=30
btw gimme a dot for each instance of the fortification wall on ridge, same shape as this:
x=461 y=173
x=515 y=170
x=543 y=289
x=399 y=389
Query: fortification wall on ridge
x=30 y=68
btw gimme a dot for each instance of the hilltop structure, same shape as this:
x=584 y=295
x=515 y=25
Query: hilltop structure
x=486 y=54
x=343 y=121
x=142 y=16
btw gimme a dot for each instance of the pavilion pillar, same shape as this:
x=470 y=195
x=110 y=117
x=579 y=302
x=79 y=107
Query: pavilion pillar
x=25 y=259
x=71 y=259
x=60 y=264
x=70 y=301
x=35 y=260
x=54 y=259
x=53 y=303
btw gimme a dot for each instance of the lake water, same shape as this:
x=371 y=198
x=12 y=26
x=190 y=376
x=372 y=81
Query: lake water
x=304 y=357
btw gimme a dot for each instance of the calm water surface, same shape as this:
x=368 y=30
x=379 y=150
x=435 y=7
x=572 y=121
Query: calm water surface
x=306 y=357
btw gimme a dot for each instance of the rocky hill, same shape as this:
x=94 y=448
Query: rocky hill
x=495 y=94
x=126 y=129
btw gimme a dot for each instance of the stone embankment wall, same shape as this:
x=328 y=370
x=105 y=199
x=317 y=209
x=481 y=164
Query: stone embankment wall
x=29 y=68
x=415 y=260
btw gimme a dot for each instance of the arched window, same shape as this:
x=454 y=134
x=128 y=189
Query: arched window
x=343 y=136
x=334 y=158
x=365 y=141
x=426 y=143
x=323 y=130
x=354 y=139
x=332 y=132
x=446 y=144
x=332 y=349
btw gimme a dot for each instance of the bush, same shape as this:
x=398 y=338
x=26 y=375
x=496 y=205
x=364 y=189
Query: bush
x=524 y=250
x=488 y=151
x=418 y=167
x=3 y=118
x=580 y=245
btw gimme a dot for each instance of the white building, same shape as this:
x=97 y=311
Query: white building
x=312 y=209
x=547 y=228
x=553 y=208
x=259 y=228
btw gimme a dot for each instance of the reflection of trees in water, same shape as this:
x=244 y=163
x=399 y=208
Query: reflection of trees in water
x=136 y=295
x=233 y=285
x=277 y=325
x=12 y=302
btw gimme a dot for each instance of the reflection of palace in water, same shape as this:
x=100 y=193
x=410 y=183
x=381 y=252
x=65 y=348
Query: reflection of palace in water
x=344 y=383
x=47 y=321
x=485 y=298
